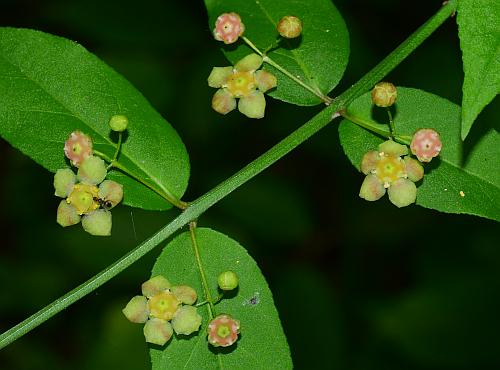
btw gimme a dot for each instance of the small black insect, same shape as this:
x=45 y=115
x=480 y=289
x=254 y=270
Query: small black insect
x=103 y=203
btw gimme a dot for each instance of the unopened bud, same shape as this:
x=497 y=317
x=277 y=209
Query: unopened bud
x=118 y=123
x=289 y=27
x=384 y=94
x=228 y=280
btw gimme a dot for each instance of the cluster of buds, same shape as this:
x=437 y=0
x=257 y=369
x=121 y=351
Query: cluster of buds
x=88 y=197
x=163 y=309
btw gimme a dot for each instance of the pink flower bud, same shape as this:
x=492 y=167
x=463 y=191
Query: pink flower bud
x=228 y=28
x=426 y=144
x=77 y=147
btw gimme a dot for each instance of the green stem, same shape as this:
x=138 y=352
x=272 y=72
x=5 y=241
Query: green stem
x=118 y=147
x=391 y=122
x=164 y=193
x=196 y=208
x=201 y=270
x=326 y=99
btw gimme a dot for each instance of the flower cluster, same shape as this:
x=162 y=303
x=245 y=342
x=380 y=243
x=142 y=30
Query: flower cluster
x=163 y=309
x=88 y=197
x=385 y=169
x=244 y=82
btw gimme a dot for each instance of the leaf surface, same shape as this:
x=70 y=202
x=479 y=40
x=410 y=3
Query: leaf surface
x=51 y=86
x=479 y=32
x=262 y=343
x=318 y=57
x=471 y=169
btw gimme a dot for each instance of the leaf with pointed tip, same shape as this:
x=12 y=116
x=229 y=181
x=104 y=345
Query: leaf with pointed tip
x=479 y=32
x=318 y=57
x=471 y=169
x=51 y=86
x=262 y=343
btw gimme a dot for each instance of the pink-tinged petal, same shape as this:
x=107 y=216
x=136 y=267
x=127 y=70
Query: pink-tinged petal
x=78 y=147
x=253 y=106
x=392 y=148
x=67 y=215
x=249 y=63
x=185 y=294
x=402 y=193
x=155 y=285
x=228 y=28
x=223 y=101
x=158 y=331
x=369 y=162
x=219 y=76
x=371 y=189
x=137 y=310
x=426 y=144
x=265 y=80
x=414 y=169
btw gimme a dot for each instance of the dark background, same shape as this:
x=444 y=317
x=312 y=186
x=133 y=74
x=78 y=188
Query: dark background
x=358 y=285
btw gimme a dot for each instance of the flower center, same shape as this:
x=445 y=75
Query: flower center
x=223 y=331
x=390 y=168
x=163 y=305
x=83 y=198
x=241 y=84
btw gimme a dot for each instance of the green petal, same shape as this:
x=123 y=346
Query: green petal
x=137 y=310
x=158 y=331
x=414 y=169
x=67 y=214
x=64 y=179
x=253 y=106
x=219 y=76
x=265 y=80
x=223 y=102
x=98 y=222
x=371 y=189
x=392 y=148
x=249 y=63
x=402 y=193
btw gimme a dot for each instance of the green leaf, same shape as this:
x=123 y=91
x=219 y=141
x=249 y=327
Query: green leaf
x=262 y=342
x=319 y=57
x=472 y=169
x=50 y=86
x=479 y=32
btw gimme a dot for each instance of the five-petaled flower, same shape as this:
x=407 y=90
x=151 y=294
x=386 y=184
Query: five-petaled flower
x=426 y=144
x=245 y=82
x=163 y=309
x=223 y=331
x=385 y=169
x=228 y=28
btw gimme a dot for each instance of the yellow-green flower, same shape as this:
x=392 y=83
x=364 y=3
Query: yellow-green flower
x=244 y=82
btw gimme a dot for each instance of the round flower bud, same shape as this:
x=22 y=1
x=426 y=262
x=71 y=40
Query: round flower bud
x=163 y=305
x=426 y=144
x=92 y=170
x=402 y=193
x=67 y=214
x=155 y=285
x=228 y=27
x=223 y=331
x=111 y=193
x=118 y=123
x=64 y=180
x=137 y=310
x=290 y=27
x=77 y=147
x=98 y=223
x=186 y=320
x=185 y=294
x=384 y=94
x=228 y=280
x=157 y=331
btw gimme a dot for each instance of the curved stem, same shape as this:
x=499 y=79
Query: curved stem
x=326 y=99
x=201 y=270
x=196 y=208
x=391 y=122
x=165 y=194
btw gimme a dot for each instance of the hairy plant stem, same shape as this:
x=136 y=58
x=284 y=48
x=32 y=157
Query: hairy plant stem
x=324 y=98
x=200 y=205
x=164 y=193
